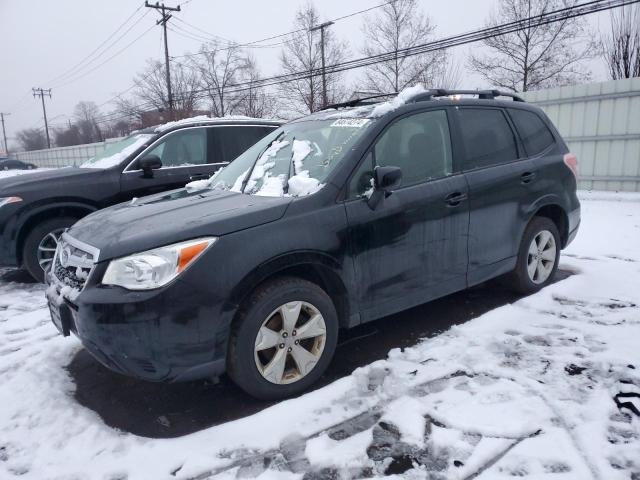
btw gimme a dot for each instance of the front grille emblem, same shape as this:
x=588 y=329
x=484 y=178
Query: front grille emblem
x=65 y=255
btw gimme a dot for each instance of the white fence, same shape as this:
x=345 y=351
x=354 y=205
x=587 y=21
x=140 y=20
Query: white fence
x=600 y=121
x=601 y=124
x=64 y=156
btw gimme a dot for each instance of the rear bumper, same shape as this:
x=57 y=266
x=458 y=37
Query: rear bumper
x=574 y=225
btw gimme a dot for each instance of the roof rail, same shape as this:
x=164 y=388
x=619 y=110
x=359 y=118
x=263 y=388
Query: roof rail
x=358 y=101
x=482 y=94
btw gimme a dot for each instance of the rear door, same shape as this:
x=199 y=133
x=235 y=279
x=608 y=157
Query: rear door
x=413 y=247
x=500 y=181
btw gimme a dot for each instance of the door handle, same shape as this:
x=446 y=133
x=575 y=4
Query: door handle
x=527 y=177
x=199 y=176
x=454 y=199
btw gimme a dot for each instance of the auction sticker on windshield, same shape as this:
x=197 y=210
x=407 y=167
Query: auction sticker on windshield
x=351 y=122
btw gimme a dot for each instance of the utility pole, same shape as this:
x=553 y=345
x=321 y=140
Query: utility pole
x=40 y=92
x=165 y=18
x=321 y=27
x=4 y=133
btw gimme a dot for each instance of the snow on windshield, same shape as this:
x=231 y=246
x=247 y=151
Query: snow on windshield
x=114 y=154
x=272 y=186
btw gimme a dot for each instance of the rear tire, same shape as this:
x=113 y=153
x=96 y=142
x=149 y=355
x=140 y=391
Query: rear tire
x=39 y=241
x=538 y=256
x=288 y=323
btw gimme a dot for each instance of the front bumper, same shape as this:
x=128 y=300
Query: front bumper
x=165 y=335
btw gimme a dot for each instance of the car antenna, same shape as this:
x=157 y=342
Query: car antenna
x=248 y=175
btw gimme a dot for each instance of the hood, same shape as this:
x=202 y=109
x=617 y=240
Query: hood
x=33 y=182
x=172 y=217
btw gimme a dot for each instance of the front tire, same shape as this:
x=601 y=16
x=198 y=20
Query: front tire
x=40 y=244
x=283 y=339
x=538 y=256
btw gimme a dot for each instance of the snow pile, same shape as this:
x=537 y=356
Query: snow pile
x=524 y=390
x=301 y=183
x=13 y=173
x=397 y=101
x=118 y=157
x=271 y=186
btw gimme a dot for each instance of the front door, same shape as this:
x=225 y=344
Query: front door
x=413 y=246
x=183 y=154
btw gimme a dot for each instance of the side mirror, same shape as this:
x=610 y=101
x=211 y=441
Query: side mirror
x=385 y=180
x=148 y=164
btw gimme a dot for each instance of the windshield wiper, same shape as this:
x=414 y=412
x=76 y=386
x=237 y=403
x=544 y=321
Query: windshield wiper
x=248 y=175
x=292 y=166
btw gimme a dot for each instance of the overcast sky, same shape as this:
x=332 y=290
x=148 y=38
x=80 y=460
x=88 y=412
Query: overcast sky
x=42 y=39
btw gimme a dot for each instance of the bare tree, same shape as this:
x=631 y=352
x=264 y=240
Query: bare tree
x=302 y=53
x=220 y=66
x=150 y=92
x=254 y=101
x=86 y=115
x=32 y=139
x=621 y=47
x=539 y=56
x=401 y=25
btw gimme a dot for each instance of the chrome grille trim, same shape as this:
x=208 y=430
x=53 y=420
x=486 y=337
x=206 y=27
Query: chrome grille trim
x=73 y=262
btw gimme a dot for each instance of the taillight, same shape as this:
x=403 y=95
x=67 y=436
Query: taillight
x=571 y=161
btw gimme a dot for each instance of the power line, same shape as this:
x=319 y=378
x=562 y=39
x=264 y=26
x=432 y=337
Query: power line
x=299 y=30
x=447 y=42
x=82 y=65
x=73 y=80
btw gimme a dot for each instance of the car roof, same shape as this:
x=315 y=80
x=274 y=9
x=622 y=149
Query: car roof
x=206 y=121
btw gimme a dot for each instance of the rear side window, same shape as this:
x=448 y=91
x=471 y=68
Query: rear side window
x=536 y=136
x=487 y=137
x=227 y=143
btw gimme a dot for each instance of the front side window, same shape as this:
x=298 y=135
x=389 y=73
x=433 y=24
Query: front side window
x=535 y=135
x=182 y=148
x=420 y=145
x=487 y=137
x=119 y=151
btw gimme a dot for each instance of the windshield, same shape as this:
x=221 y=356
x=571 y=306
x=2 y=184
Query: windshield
x=115 y=153
x=294 y=160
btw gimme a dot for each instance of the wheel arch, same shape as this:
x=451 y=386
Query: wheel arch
x=558 y=216
x=316 y=267
x=45 y=212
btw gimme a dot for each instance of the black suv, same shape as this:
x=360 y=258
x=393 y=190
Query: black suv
x=36 y=208
x=332 y=220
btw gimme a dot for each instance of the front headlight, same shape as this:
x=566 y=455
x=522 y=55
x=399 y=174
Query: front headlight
x=155 y=268
x=6 y=200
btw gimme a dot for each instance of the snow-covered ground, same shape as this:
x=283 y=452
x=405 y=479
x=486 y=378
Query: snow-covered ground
x=525 y=390
x=13 y=173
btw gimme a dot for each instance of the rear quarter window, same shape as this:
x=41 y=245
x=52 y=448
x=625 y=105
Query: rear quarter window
x=534 y=133
x=487 y=137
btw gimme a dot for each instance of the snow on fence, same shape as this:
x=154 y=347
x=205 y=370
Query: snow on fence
x=64 y=156
x=601 y=124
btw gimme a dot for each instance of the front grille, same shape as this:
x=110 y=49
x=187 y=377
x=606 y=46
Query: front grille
x=73 y=262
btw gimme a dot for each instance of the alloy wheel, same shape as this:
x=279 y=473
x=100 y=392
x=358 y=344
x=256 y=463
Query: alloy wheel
x=47 y=248
x=290 y=342
x=541 y=257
